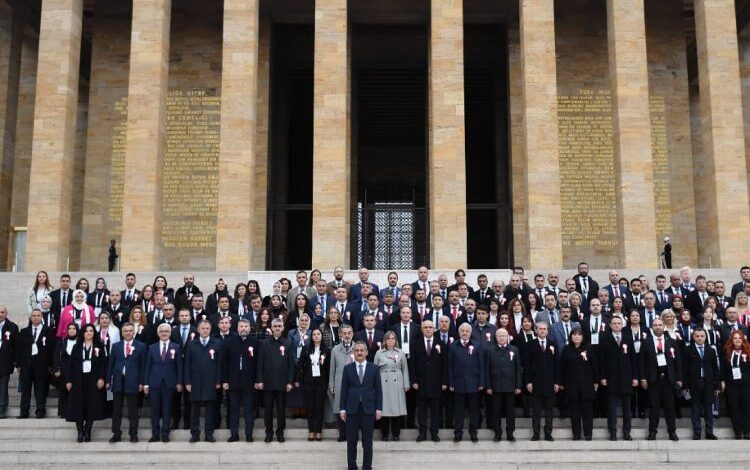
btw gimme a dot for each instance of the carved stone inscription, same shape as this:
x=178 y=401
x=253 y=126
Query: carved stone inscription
x=587 y=177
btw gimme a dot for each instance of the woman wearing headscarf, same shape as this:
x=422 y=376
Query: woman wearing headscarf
x=84 y=379
x=99 y=299
x=78 y=312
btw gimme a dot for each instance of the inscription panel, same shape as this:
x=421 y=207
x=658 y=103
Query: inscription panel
x=587 y=176
x=189 y=173
x=662 y=178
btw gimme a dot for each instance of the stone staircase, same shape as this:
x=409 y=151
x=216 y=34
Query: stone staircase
x=47 y=443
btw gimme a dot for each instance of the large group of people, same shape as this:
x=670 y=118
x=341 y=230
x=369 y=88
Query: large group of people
x=440 y=351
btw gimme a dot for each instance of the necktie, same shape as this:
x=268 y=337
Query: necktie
x=64 y=299
x=203 y=342
x=617 y=291
x=406 y=335
x=361 y=373
x=36 y=332
x=429 y=347
x=421 y=311
x=127 y=349
x=650 y=317
x=660 y=345
x=445 y=338
x=163 y=351
x=661 y=297
x=455 y=312
x=184 y=335
x=543 y=345
x=369 y=339
x=585 y=283
x=567 y=331
x=617 y=337
x=596 y=325
x=700 y=351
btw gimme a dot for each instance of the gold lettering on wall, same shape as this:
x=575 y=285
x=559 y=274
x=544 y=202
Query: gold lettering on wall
x=189 y=172
x=191 y=169
x=661 y=167
x=587 y=176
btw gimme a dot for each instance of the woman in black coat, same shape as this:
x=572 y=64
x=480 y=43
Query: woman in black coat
x=84 y=380
x=61 y=363
x=312 y=377
x=579 y=378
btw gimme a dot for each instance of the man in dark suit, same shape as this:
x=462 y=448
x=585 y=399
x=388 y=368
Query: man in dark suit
x=182 y=334
x=34 y=359
x=118 y=311
x=731 y=324
x=223 y=334
x=361 y=405
x=223 y=311
x=238 y=373
x=483 y=294
x=422 y=281
x=322 y=297
x=466 y=377
x=124 y=379
x=740 y=286
x=370 y=335
x=428 y=379
x=162 y=376
x=130 y=295
x=586 y=286
x=184 y=295
x=619 y=374
x=198 y=313
x=202 y=380
x=540 y=372
x=460 y=277
x=697 y=298
x=61 y=297
x=662 y=296
x=661 y=374
x=407 y=333
x=614 y=289
x=355 y=293
x=504 y=382
x=8 y=337
x=703 y=381
x=275 y=378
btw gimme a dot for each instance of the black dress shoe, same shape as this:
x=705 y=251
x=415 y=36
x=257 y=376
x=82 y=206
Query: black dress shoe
x=165 y=439
x=711 y=436
x=80 y=437
x=396 y=438
x=156 y=439
x=642 y=414
x=133 y=439
x=341 y=439
x=613 y=437
x=746 y=436
x=23 y=416
x=673 y=436
x=497 y=438
x=233 y=438
x=174 y=426
x=194 y=438
x=268 y=439
x=576 y=438
x=41 y=415
x=474 y=438
x=385 y=438
x=281 y=439
x=588 y=438
x=549 y=438
x=435 y=438
x=458 y=438
x=421 y=438
x=115 y=438
x=210 y=439
x=535 y=437
x=651 y=436
x=511 y=438
x=627 y=437
x=696 y=436
x=249 y=438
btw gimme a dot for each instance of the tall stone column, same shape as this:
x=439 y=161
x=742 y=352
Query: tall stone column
x=146 y=135
x=724 y=235
x=53 y=148
x=259 y=226
x=331 y=136
x=539 y=103
x=11 y=32
x=447 y=137
x=237 y=157
x=631 y=132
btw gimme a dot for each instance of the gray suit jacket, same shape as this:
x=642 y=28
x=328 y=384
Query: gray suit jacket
x=339 y=359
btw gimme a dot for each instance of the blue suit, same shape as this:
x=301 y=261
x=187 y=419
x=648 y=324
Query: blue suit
x=466 y=374
x=360 y=400
x=162 y=378
x=328 y=301
x=355 y=296
x=124 y=387
x=134 y=365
